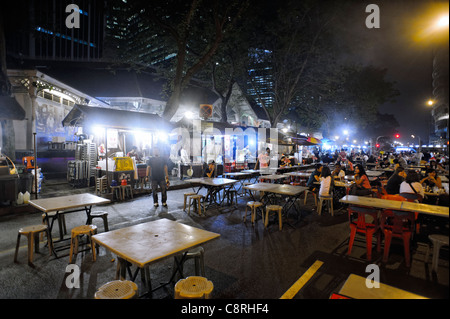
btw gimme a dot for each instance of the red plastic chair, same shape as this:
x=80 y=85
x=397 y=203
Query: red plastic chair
x=359 y=225
x=397 y=224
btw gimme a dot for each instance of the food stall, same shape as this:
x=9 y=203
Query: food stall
x=113 y=133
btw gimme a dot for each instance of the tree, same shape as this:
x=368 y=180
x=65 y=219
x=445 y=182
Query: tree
x=282 y=56
x=190 y=31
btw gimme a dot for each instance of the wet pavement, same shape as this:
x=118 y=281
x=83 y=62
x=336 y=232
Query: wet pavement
x=245 y=262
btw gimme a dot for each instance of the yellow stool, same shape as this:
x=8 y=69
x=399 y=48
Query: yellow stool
x=186 y=195
x=88 y=230
x=306 y=195
x=328 y=199
x=32 y=234
x=253 y=207
x=117 y=289
x=127 y=191
x=275 y=208
x=193 y=287
x=197 y=198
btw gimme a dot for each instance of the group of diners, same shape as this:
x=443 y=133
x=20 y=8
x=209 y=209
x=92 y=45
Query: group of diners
x=402 y=181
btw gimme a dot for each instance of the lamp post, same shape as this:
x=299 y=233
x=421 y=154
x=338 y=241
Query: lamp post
x=420 y=145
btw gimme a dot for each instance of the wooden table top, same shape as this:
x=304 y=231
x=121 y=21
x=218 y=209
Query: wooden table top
x=145 y=243
x=298 y=174
x=355 y=287
x=435 y=210
x=238 y=174
x=213 y=181
x=67 y=202
x=273 y=176
x=283 y=189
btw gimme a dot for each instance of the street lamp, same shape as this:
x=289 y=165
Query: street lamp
x=430 y=102
x=420 y=145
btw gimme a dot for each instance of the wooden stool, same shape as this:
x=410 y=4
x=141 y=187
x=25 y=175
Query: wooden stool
x=102 y=215
x=193 y=287
x=276 y=208
x=438 y=242
x=88 y=230
x=117 y=289
x=198 y=255
x=32 y=234
x=127 y=191
x=61 y=222
x=253 y=208
x=116 y=192
x=328 y=199
x=306 y=195
x=186 y=195
x=197 y=198
x=231 y=193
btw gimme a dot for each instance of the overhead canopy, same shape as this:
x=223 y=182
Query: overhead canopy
x=86 y=116
x=10 y=109
x=305 y=141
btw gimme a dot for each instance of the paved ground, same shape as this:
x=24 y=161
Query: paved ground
x=244 y=263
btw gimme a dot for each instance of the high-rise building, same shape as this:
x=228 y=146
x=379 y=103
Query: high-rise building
x=54 y=29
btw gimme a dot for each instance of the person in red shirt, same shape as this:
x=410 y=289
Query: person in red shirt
x=361 y=187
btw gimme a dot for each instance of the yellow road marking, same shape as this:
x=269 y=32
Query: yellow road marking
x=295 y=288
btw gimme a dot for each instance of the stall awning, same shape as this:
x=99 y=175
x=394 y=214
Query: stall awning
x=84 y=116
x=10 y=109
x=305 y=141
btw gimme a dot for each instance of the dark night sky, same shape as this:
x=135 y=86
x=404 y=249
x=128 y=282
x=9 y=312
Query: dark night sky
x=409 y=63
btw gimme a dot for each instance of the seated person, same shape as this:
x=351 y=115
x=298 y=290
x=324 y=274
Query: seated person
x=385 y=163
x=338 y=172
x=412 y=185
x=393 y=184
x=361 y=187
x=326 y=182
x=284 y=161
x=431 y=179
x=314 y=177
x=209 y=171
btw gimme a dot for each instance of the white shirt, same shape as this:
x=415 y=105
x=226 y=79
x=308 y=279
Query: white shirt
x=405 y=188
x=325 y=184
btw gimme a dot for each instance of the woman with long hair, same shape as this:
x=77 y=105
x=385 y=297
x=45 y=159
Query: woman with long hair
x=361 y=187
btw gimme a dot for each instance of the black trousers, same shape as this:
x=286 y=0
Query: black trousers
x=162 y=184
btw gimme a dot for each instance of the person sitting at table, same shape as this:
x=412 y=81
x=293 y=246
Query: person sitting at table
x=314 y=177
x=361 y=187
x=437 y=166
x=284 y=162
x=338 y=172
x=393 y=184
x=326 y=182
x=384 y=163
x=209 y=171
x=412 y=186
x=431 y=179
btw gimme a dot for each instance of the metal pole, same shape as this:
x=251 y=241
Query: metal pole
x=35 y=167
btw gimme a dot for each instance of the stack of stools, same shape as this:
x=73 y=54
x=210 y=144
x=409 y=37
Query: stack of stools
x=32 y=234
x=253 y=208
x=193 y=287
x=87 y=230
x=117 y=289
x=274 y=208
x=102 y=215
